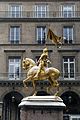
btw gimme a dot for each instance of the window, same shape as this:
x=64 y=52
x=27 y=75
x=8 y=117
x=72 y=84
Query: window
x=67 y=11
x=41 y=11
x=68 y=34
x=14 y=68
x=41 y=34
x=69 y=67
x=74 y=117
x=14 y=34
x=15 y=11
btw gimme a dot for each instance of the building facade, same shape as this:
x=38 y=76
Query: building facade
x=23 y=30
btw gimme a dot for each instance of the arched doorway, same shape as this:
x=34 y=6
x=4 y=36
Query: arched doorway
x=72 y=102
x=10 y=106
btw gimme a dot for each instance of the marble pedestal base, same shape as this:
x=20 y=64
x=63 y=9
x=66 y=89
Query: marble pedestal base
x=41 y=108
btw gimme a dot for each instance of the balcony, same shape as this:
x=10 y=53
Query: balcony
x=43 y=15
x=16 y=80
x=12 y=76
x=22 y=76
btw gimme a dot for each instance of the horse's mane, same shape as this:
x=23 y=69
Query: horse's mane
x=32 y=62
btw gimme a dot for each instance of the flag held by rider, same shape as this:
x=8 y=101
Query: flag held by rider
x=54 y=38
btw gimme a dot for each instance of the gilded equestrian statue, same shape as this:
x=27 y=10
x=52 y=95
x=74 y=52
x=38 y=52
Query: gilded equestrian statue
x=40 y=71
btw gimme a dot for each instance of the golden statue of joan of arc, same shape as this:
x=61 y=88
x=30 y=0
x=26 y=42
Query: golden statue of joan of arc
x=40 y=71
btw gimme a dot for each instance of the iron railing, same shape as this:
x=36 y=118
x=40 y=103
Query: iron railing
x=22 y=76
x=39 y=14
x=12 y=76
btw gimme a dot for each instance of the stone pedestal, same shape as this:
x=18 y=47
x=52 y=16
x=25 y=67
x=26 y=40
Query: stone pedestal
x=41 y=108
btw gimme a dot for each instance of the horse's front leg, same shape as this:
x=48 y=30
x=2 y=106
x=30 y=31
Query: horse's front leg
x=25 y=81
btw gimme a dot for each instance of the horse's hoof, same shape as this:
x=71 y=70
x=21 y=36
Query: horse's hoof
x=48 y=90
x=57 y=93
x=25 y=87
x=35 y=93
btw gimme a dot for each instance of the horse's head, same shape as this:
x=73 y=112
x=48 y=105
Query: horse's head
x=27 y=63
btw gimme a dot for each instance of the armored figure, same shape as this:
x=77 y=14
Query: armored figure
x=42 y=62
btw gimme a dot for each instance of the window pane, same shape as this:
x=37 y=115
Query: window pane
x=66 y=70
x=40 y=11
x=11 y=71
x=72 y=70
x=65 y=59
x=41 y=35
x=17 y=33
x=69 y=67
x=17 y=72
x=71 y=59
x=68 y=34
x=14 y=34
x=15 y=11
x=68 y=10
x=14 y=68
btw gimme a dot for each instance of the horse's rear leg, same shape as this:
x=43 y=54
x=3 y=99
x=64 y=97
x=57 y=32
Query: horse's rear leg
x=35 y=92
x=53 y=83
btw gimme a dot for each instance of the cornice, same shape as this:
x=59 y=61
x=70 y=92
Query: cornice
x=36 y=44
x=73 y=19
x=38 y=0
x=7 y=50
x=40 y=50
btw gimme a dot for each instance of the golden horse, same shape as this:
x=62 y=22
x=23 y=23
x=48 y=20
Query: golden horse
x=51 y=74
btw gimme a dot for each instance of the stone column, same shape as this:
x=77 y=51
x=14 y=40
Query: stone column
x=41 y=108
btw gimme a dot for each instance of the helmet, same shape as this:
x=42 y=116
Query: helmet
x=45 y=50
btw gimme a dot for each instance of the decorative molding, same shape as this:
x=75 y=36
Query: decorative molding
x=40 y=19
x=40 y=50
x=69 y=83
x=14 y=50
x=42 y=84
x=11 y=83
x=69 y=50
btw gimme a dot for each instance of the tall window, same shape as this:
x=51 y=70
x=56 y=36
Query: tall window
x=14 y=34
x=15 y=11
x=41 y=11
x=68 y=67
x=67 y=11
x=68 y=34
x=14 y=68
x=41 y=34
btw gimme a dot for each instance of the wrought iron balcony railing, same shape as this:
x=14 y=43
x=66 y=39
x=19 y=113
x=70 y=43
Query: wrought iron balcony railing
x=22 y=76
x=39 y=14
x=12 y=76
